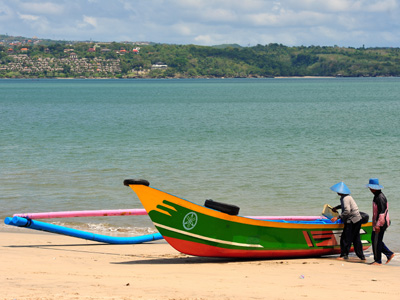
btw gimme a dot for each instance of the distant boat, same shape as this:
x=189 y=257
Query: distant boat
x=216 y=230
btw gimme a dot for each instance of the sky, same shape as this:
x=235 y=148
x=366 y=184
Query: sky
x=344 y=23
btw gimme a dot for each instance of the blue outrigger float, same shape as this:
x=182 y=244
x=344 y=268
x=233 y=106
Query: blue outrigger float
x=28 y=220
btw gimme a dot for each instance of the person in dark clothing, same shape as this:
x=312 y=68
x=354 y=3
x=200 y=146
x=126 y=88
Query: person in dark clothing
x=380 y=222
x=352 y=222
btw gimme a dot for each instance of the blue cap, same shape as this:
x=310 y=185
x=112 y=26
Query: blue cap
x=340 y=188
x=374 y=184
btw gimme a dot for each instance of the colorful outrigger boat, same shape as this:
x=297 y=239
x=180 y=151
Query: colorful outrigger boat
x=215 y=229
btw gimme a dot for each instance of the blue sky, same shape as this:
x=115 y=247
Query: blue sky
x=347 y=23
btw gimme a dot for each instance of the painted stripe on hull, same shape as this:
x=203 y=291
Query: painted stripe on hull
x=208 y=238
x=308 y=240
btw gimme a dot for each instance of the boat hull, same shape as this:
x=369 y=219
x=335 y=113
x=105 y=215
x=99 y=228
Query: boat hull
x=200 y=231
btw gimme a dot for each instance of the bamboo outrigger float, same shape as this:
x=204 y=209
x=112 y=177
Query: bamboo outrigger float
x=216 y=230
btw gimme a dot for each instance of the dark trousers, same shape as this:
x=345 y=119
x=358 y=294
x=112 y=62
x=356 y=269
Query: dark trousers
x=351 y=235
x=378 y=246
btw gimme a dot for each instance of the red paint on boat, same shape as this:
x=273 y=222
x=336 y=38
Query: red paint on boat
x=198 y=249
x=307 y=237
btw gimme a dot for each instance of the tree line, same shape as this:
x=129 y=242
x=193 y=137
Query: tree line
x=229 y=61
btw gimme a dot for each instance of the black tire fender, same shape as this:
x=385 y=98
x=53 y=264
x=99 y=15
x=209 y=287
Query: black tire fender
x=129 y=182
x=222 y=207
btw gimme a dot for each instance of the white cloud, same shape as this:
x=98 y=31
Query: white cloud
x=183 y=29
x=382 y=6
x=203 y=39
x=220 y=15
x=335 y=5
x=263 y=19
x=206 y=22
x=344 y=6
x=90 y=20
x=6 y=12
x=28 y=18
x=42 y=8
x=87 y=23
x=285 y=18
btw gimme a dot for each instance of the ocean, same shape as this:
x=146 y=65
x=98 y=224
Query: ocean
x=269 y=146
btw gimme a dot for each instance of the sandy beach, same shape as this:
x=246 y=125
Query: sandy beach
x=48 y=266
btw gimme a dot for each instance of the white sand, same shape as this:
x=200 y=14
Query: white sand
x=48 y=266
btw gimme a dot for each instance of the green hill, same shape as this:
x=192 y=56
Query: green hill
x=22 y=57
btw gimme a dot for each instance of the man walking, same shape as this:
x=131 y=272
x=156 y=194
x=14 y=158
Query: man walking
x=380 y=222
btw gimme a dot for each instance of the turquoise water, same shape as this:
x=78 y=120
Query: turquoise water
x=270 y=146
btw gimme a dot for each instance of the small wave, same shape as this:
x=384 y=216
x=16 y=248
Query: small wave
x=98 y=228
x=118 y=230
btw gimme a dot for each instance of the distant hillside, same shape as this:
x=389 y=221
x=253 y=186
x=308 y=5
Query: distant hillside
x=24 y=57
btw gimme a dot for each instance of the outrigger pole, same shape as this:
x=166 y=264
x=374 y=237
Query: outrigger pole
x=137 y=212
x=38 y=225
x=84 y=213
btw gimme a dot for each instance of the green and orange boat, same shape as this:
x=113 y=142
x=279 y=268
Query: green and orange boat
x=215 y=229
